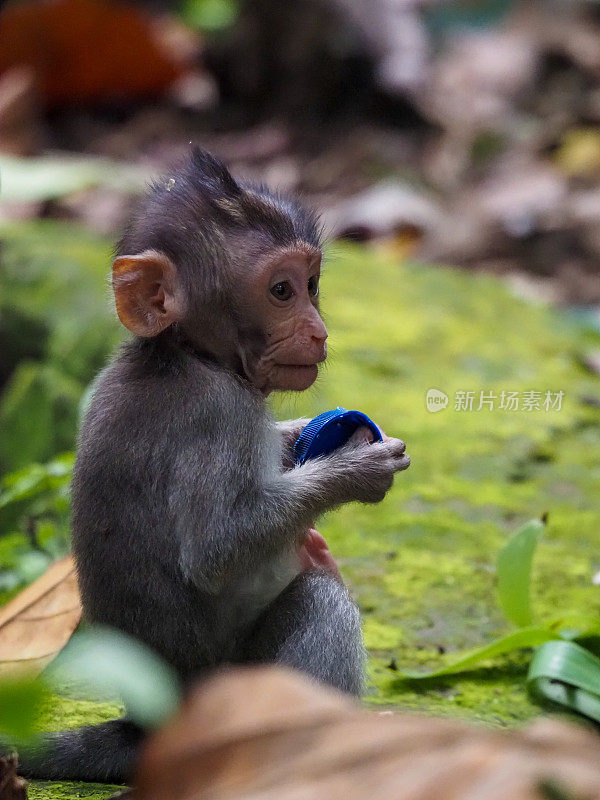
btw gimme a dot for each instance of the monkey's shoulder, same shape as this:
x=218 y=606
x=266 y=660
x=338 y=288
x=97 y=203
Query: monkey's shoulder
x=178 y=401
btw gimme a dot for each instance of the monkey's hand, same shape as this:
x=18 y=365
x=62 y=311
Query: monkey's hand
x=315 y=554
x=289 y=431
x=368 y=469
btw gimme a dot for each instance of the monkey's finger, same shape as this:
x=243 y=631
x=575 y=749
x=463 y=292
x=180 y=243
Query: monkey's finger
x=402 y=463
x=395 y=447
x=400 y=458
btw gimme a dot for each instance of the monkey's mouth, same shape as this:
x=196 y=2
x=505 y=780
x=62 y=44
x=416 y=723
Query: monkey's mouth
x=295 y=377
x=305 y=367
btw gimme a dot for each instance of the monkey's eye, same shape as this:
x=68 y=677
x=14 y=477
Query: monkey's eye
x=282 y=291
x=313 y=285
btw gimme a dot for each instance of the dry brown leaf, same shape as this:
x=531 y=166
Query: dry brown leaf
x=268 y=734
x=39 y=621
x=20 y=126
x=11 y=786
x=87 y=50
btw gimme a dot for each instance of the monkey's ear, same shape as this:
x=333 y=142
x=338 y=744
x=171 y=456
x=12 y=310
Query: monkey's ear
x=147 y=292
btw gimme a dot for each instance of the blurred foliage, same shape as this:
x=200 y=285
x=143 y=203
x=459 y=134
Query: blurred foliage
x=100 y=662
x=106 y=663
x=34 y=521
x=42 y=401
x=20 y=701
x=210 y=15
x=579 y=152
x=56 y=332
x=49 y=177
x=514 y=573
x=444 y=17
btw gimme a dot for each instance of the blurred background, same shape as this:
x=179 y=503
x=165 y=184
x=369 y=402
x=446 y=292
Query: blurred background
x=460 y=132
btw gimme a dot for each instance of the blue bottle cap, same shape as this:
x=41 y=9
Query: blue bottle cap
x=331 y=430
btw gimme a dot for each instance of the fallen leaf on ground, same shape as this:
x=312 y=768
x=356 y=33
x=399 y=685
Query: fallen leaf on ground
x=11 y=786
x=89 y=50
x=268 y=733
x=39 y=621
x=20 y=124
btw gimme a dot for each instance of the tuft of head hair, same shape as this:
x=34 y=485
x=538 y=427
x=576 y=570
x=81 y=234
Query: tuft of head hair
x=202 y=200
x=252 y=206
x=214 y=178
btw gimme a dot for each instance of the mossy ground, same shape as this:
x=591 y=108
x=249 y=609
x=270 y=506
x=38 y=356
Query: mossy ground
x=421 y=564
x=61 y=713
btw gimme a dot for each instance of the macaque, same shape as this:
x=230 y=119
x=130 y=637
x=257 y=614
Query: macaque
x=192 y=528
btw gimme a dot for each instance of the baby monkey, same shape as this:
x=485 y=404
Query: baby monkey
x=191 y=526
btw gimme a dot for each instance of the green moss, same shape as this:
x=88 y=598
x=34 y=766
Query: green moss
x=421 y=564
x=66 y=790
x=64 y=712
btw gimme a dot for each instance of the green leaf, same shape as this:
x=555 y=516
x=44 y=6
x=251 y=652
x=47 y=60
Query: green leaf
x=36 y=479
x=38 y=414
x=110 y=663
x=569 y=675
x=20 y=701
x=526 y=637
x=574 y=625
x=514 y=573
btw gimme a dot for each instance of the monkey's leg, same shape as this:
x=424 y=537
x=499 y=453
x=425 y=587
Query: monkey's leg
x=102 y=753
x=314 y=626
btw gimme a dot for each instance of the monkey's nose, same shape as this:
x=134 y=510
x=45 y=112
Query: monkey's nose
x=316 y=328
x=322 y=346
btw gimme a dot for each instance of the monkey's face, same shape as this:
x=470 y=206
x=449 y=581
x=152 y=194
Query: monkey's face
x=281 y=338
x=232 y=268
x=283 y=302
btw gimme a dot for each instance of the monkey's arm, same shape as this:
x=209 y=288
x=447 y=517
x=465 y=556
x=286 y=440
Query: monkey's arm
x=252 y=516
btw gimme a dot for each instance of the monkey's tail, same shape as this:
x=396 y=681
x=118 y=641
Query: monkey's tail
x=104 y=753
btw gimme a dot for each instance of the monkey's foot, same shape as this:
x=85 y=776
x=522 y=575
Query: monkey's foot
x=315 y=554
